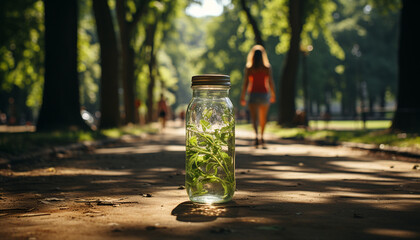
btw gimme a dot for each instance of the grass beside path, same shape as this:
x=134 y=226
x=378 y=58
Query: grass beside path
x=17 y=143
x=336 y=131
x=376 y=132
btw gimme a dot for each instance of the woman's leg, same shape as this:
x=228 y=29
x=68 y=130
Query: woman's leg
x=262 y=112
x=164 y=122
x=253 y=110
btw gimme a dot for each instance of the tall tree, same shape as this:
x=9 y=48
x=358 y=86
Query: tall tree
x=151 y=58
x=181 y=44
x=226 y=48
x=371 y=63
x=306 y=20
x=21 y=58
x=60 y=107
x=158 y=24
x=407 y=115
x=288 y=79
x=109 y=105
x=127 y=30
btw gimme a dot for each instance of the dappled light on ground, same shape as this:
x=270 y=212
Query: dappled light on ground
x=394 y=233
x=137 y=188
x=51 y=171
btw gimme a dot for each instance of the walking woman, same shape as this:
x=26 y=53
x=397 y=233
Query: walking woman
x=162 y=110
x=259 y=84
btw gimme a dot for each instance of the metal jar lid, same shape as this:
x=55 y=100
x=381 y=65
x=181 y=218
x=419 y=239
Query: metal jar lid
x=211 y=79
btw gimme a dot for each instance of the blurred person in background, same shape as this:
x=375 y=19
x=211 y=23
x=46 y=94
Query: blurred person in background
x=163 y=111
x=259 y=85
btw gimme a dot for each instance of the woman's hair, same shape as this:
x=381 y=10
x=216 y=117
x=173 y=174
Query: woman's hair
x=257 y=57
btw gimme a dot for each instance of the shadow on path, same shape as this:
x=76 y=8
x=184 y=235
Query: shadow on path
x=289 y=191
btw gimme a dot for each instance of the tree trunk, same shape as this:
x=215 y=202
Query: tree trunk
x=127 y=64
x=305 y=87
x=109 y=105
x=127 y=55
x=253 y=22
x=60 y=108
x=328 y=102
x=407 y=115
x=382 y=103
x=318 y=109
x=287 y=109
x=348 y=100
x=23 y=109
x=371 y=105
x=150 y=41
x=310 y=107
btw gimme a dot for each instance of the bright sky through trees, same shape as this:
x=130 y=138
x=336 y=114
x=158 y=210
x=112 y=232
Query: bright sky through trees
x=207 y=8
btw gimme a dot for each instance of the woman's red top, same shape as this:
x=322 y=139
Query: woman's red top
x=258 y=80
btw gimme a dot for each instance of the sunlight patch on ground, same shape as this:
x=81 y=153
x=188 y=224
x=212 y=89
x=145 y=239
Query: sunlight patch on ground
x=107 y=181
x=370 y=166
x=317 y=176
x=78 y=171
x=260 y=220
x=396 y=233
x=162 y=169
x=313 y=174
x=396 y=204
x=290 y=196
x=297 y=150
x=130 y=150
x=302 y=170
x=174 y=148
x=304 y=197
x=66 y=171
x=379 y=200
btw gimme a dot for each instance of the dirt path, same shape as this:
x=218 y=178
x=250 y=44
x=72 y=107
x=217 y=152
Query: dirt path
x=134 y=190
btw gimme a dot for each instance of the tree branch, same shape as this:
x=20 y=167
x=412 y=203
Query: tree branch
x=253 y=22
x=141 y=11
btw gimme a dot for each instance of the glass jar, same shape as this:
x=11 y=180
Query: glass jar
x=210 y=141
